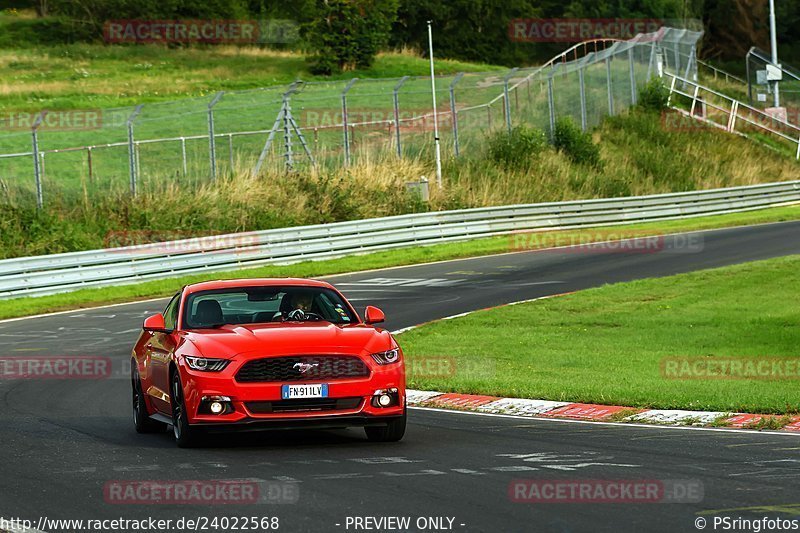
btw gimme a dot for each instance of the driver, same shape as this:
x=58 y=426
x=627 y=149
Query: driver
x=296 y=305
x=302 y=301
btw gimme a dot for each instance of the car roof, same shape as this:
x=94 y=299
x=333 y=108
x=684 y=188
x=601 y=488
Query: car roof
x=255 y=282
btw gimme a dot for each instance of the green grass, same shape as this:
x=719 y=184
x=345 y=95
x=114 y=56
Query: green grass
x=421 y=254
x=606 y=345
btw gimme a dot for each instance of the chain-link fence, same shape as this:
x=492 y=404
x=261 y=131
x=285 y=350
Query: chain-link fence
x=330 y=124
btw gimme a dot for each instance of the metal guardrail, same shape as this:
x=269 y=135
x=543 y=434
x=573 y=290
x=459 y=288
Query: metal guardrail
x=32 y=276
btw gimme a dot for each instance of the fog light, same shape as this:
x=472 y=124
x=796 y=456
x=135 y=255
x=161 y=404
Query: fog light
x=384 y=400
x=216 y=407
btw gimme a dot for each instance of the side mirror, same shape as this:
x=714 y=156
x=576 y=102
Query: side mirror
x=373 y=315
x=154 y=323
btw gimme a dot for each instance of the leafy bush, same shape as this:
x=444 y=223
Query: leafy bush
x=576 y=144
x=347 y=34
x=653 y=95
x=518 y=148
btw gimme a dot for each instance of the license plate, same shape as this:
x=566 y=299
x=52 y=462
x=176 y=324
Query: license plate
x=290 y=392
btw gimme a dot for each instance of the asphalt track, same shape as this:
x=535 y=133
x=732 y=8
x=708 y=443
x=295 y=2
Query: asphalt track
x=64 y=440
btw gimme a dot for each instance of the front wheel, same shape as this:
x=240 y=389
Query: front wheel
x=391 y=432
x=141 y=418
x=184 y=434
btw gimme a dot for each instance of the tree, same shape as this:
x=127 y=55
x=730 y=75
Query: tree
x=347 y=34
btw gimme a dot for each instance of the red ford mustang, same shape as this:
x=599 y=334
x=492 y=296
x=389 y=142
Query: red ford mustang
x=266 y=353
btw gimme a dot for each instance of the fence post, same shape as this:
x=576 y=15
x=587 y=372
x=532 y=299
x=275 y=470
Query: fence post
x=610 y=88
x=287 y=132
x=90 y=163
x=454 y=112
x=506 y=101
x=651 y=60
x=689 y=63
x=633 y=76
x=183 y=156
x=581 y=81
x=132 y=149
x=212 y=143
x=551 y=104
x=396 y=99
x=37 y=171
x=230 y=151
x=344 y=121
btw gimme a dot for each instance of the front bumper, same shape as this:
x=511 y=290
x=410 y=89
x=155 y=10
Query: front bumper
x=247 y=400
x=306 y=422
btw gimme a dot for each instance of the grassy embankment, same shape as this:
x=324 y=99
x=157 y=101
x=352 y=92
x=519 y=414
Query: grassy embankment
x=610 y=345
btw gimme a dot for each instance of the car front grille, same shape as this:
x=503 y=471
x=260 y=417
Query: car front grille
x=303 y=368
x=306 y=404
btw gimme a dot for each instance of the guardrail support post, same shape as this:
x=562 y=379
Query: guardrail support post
x=37 y=171
x=132 y=149
x=212 y=142
x=694 y=99
x=506 y=100
x=454 y=113
x=396 y=100
x=671 y=90
x=344 y=121
x=732 y=117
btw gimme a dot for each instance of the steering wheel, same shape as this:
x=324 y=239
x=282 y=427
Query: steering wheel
x=299 y=315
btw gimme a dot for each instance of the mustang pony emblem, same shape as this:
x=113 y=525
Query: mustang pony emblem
x=304 y=367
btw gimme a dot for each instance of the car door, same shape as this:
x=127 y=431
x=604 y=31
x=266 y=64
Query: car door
x=160 y=348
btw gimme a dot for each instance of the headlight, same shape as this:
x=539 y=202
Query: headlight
x=388 y=357
x=206 y=365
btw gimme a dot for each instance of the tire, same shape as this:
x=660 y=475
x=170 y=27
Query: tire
x=141 y=418
x=185 y=435
x=391 y=432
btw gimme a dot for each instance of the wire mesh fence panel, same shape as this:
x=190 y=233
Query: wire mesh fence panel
x=329 y=124
x=17 y=184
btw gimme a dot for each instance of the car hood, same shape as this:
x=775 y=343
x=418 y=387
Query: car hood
x=289 y=339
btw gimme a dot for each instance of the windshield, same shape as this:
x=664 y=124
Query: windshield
x=256 y=305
